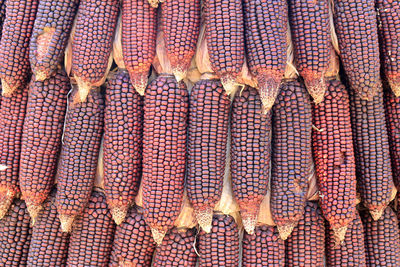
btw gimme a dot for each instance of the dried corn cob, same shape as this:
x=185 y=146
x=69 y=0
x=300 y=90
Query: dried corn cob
x=334 y=157
x=266 y=31
x=351 y=251
x=14 y=44
x=225 y=39
x=12 y=115
x=250 y=154
x=133 y=243
x=2 y=14
x=49 y=245
x=371 y=147
x=78 y=160
x=96 y=22
x=139 y=34
x=164 y=153
x=41 y=138
x=382 y=239
x=207 y=140
x=181 y=26
x=50 y=35
x=291 y=155
x=92 y=237
x=15 y=235
x=357 y=33
x=122 y=154
x=220 y=247
x=177 y=249
x=264 y=248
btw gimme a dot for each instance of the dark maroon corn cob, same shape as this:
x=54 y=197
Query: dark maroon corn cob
x=250 y=154
x=207 y=140
x=122 y=147
x=2 y=14
x=263 y=248
x=41 y=138
x=79 y=155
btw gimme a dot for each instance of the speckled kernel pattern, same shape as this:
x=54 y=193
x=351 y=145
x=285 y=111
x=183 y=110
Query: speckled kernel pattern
x=2 y=14
x=350 y=252
x=15 y=235
x=177 y=249
x=264 y=248
x=382 y=239
x=333 y=153
x=357 y=33
x=306 y=245
x=221 y=246
x=92 y=237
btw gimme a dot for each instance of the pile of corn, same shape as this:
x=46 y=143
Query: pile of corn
x=199 y=133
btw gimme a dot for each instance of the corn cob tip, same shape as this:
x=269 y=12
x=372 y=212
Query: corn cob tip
x=83 y=90
x=158 y=235
x=268 y=89
x=395 y=86
x=316 y=88
x=66 y=222
x=6 y=198
x=41 y=75
x=119 y=214
x=376 y=214
x=249 y=222
x=286 y=230
x=229 y=84
x=204 y=218
x=153 y=3
x=33 y=210
x=339 y=234
x=139 y=82
x=179 y=74
x=7 y=89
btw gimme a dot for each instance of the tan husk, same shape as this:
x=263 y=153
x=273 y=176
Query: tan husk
x=68 y=51
x=117 y=46
x=202 y=58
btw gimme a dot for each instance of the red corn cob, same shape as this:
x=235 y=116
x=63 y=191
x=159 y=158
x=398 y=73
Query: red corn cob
x=15 y=235
x=41 y=138
x=177 y=249
x=371 y=147
x=220 y=247
x=12 y=115
x=334 y=157
x=133 y=244
x=357 y=33
x=96 y=22
x=306 y=245
x=266 y=34
x=50 y=35
x=264 y=248
x=250 y=154
x=291 y=156
x=92 y=237
x=164 y=153
x=14 y=44
x=122 y=154
x=79 y=155
x=382 y=239
x=2 y=14
x=389 y=29
x=207 y=140
x=225 y=39
x=139 y=34
x=181 y=27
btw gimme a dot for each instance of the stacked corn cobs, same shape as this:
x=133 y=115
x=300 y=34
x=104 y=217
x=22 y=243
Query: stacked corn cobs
x=155 y=138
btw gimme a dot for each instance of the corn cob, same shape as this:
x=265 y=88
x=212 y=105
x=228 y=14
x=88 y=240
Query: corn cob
x=225 y=39
x=12 y=115
x=357 y=34
x=49 y=245
x=180 y=21
x=306 y=245
x=133 y=244
x=266 y=31
x=15 y=235
x=139 y=34
x=96 y=22
x=382 y=239
x=351 y=251
x=334 y=157
x=92 y=237
x=123 y=130
x=250 y=154
x=220 y=247
x=264 y=248
x=371 y=147
x=78 y=160
x=291 y=155
x=177 y=249
x=2 y=14
x=164 y=153
x=41 y=138
x=50 y=35
x=208 y=124
x=14 y=44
